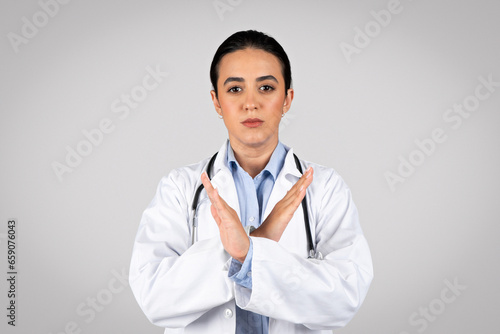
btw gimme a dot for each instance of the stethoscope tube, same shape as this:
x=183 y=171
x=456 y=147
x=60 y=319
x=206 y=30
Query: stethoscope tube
x=310 y=245
x=194 y=206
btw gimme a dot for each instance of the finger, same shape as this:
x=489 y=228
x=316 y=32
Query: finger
x=215 y=214
x=223 y=204
x=303 y=179
x=306 y=181
x=297 y=193
x=217 y=201
x=299 y=186
x=307 y=178
x=207 y=184
x=213 y=194
x=211 y=191
x=220 y=205
x=300 y=195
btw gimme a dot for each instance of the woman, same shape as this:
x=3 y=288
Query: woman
x=244 y=265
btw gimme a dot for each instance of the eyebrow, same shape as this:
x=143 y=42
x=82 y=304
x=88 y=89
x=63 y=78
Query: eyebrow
x=259 y=79
x=267 y=77
x=231 y=79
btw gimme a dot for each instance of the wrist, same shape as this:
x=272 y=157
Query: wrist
x=258 y=232
x=242 y=258
x=243 y=251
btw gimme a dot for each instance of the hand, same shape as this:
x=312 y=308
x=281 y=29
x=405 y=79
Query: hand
x=276 y=222
x=232 y=234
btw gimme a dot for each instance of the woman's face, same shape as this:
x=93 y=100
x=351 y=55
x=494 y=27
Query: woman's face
x=251 y=97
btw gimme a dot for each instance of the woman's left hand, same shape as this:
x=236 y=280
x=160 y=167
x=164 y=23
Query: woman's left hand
x=232 y=234
x=277 y=221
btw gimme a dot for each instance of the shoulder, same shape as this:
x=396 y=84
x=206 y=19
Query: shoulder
x=328 y=189
x=183 y=180
x=189 y=170
x=324 y=175
x=325 y=179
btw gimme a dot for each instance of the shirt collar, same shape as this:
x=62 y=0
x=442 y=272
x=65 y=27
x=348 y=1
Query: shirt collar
x=273 y=166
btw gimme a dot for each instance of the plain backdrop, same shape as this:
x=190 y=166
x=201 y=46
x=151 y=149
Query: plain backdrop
x=361 y=112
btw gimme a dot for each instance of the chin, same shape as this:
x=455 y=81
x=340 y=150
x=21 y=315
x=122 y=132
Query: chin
x=257 y=141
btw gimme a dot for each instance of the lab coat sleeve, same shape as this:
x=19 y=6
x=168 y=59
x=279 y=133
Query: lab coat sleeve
x=320 y=294
x=173 y=282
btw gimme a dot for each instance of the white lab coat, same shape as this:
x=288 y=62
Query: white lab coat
x=185 y=288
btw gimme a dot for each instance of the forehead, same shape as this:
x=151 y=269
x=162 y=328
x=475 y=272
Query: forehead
x=249 y=63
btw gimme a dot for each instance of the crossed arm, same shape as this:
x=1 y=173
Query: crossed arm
x=332 y=290
x=232 y=233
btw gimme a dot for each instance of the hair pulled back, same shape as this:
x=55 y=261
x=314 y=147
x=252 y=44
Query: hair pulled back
x=251 y=39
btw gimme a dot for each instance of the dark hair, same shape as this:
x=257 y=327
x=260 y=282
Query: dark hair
x=251 y=39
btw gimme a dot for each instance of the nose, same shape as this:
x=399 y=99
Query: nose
x=250 y=102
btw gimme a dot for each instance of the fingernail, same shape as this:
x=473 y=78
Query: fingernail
x=308 y=172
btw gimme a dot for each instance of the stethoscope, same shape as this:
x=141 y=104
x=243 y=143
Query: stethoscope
x=310 y=245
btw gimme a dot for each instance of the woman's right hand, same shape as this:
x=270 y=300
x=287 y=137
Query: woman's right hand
x=276 y=222
x=232 y=234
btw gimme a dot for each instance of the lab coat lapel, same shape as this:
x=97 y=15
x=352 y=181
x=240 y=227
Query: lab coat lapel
x=223 y=180
x=287 y=177
x=293 y=238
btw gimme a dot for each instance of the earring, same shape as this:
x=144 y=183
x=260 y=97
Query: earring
x=221 y=117
x=283 y=115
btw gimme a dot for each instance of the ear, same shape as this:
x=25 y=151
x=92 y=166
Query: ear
x=216 y=103
x=288 y=101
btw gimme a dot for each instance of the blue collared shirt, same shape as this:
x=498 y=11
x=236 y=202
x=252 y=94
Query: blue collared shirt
x=253 y=195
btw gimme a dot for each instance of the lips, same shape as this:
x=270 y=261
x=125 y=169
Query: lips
x=252 y=122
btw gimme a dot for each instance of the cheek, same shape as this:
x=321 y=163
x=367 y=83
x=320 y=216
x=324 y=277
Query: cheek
x=230 y=113
x=228 y=105
x=277 y=106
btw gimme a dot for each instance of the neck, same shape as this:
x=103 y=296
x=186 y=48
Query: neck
x=253 y=159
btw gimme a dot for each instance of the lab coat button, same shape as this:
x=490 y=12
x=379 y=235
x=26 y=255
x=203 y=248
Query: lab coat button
x=228 y=313
x=249 y=274
x=251 y=219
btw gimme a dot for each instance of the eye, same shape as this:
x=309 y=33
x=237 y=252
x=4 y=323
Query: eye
x=267 y=88
x=234 y=89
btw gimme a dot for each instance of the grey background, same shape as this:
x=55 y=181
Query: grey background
x=440 y=225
